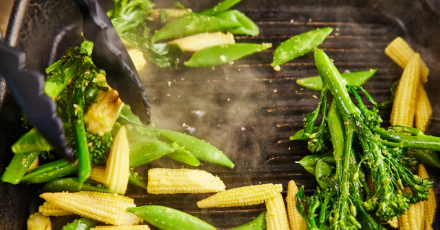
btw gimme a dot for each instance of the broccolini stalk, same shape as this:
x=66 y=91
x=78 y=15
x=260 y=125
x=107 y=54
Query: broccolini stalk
x=317 y=139
x=387 y=173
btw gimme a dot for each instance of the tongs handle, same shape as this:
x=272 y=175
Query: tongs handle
x=111 y=55
x=27 y=86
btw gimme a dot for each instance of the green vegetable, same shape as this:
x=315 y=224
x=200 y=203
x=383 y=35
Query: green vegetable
x=166 y=218
x=25 y=122
x=182 y=155
x=126 y=116
x=201 y=149
x=142 y=152
x=309 y=162
x=427 y=157
x=193 y=24
x=18 y=166
x=388 y=103
x=299 y=45
x=50 y=171
x=221 y=54
x=80 y=224
x=72 y=185
x=337 y=136
x=356 y=78
x=135 y=179
x=258 y=223
x=60 y=75
x=299 y=136
x=220 y=7
x=31 y=141
x=322 y=200
x=248 y=27
x=322 y=170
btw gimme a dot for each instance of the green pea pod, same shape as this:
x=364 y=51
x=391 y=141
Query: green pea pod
x=50 y=171
x=30 y=142
x=18 y=166
x=220 y=7
x=221 y=54
x=201 y=149
x=309 y=162
x=166 y=218
x=427 y=157
x=357 y=78
x=80 y=224
x=193 y=24
x=135 y=179
x=322 y=170
x=126 y=116
x=142 y=152
x=337 y=135
x=299 y=135
x=71 y=184
x=182 y=155
x=258 y=223
x=299 y=45
x=248 y=27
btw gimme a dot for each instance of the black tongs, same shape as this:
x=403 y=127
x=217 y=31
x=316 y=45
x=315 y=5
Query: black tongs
x=109 y=54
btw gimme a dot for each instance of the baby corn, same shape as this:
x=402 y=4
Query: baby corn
x=430 y=204
x=98 y=174
x=197 y=42
x=296 y=221
x=394 y=222
x=137 y=57
x=171 y=181
x=414 y=217
x=118 y=163
x=172 y=12
x=404 y=105
x=400 y=52
x=243 y=196
x=102 y=115
x=37 y=221
x=107 y=208
x=137 y=227
x=48 y=209
x=276 y=216
x=423 y=111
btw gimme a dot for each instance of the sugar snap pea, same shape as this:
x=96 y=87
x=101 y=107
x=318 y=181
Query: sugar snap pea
x=322 y=170
x=201 y=149
x=299 y=45
x=166 y=218
x=248 y=27
x=182 y=155
x=299 y=135
x=142 y=152
x=337 y=136
x=50 y=171
x=258 y=223
x=135 y=179
x=221 y=54
x=220 y=7
x=18 y=166
x=427 y=157
x=357 y=78
x=80 y=224
x=193 y=24
x=71 y=184
x=309 y=162
x=30 y=142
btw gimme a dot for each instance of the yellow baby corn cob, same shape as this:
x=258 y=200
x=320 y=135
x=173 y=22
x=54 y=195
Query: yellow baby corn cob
x=37 y=221
x=171 y=181
x=91 y=205
x=118 y=163
x=48 y=209
x=423 y=110
x=295 y=219
x=414 y=217
x=404 y=105
x=197 y=42
x=137 y=57
x=172 y=12
x=98 y=174
x=137 y=227
x=276 y=216
x=430 y=204
x=34 y=165
x=243 y=196
x=400 y=52
x=394 y=222
x=102 y=115
x=110 y=197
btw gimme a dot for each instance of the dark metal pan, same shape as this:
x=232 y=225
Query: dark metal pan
x=246 y=109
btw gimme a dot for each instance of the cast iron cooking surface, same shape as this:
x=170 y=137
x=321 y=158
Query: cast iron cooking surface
x=246 y=109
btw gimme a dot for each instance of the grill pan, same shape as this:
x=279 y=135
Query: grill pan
x=246 y=109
